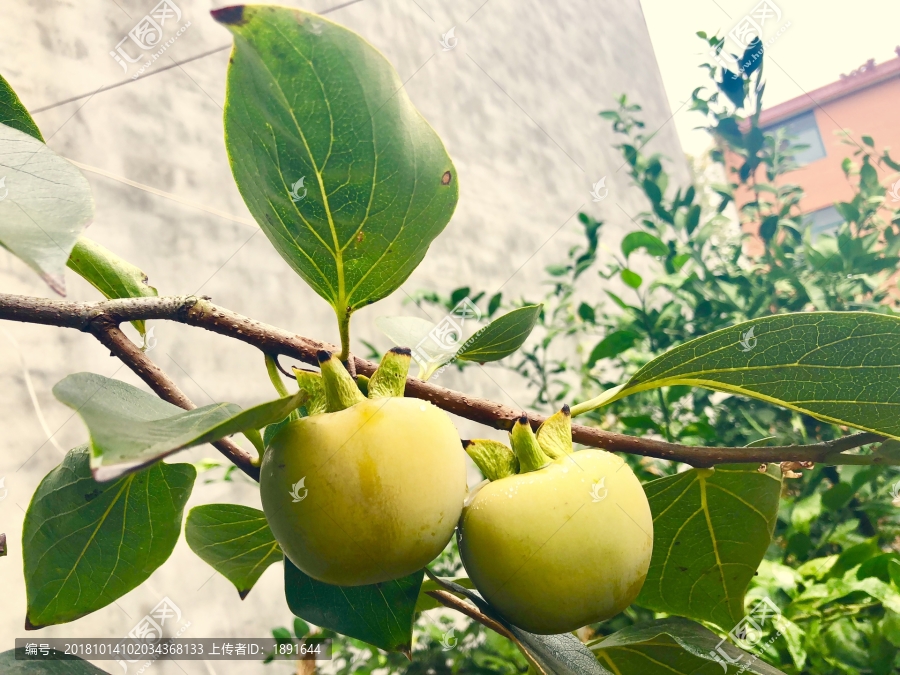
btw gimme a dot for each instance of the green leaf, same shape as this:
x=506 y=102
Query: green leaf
x=85 y=543
x=37 y=665
x=131 y=429
x=342 y=173
x=562 y=654
x=14 y=114
x=711 y=529
x=805 y=511
x=612 y=345
x=693 y=218
x=45 y=203
x=109 y=274
x=501 y=337
x=645 y=240
x=380 y=614
x=840 y=367
x=426 y=602
x=631 y=278
x=675 y=646
x=235 y=540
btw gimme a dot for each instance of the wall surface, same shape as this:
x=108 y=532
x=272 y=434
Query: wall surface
x=516 y=103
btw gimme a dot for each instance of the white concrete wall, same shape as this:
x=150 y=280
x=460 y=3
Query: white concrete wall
x=516 y=103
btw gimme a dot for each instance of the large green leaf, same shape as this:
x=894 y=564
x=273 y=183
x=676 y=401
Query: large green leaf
x=45 y=203
x=130 y=428
x=562 y=654
x=235 y=540
x=85 y=543
x=342 y=173
x=675 y=646
x=711 y=530
x=841 y=367
x=30 y=665
x=501 y=337
x=14 y=114
x=109 y=274
x=380 y=614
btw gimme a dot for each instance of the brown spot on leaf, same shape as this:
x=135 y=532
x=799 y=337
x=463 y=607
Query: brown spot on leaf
x=446 y=178
x=360 y=236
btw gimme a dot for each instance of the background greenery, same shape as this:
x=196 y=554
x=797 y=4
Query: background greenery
x=833 y=566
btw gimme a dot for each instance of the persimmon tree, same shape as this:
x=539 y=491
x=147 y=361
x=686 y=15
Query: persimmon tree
x=308 y=99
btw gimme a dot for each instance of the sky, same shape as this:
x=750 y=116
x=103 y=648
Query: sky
x=819 y=40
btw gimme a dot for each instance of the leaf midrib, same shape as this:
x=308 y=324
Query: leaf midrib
x=125 y=485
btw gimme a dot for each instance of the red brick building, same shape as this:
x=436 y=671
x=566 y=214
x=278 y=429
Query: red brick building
x=863 y=103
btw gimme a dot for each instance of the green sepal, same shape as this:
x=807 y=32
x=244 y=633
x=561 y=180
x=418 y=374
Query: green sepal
x=525 y=445
x=493 y=458
x=313 y=385
x=555 y=434
x=390 y=378
x=341 y=391
x=363 y=383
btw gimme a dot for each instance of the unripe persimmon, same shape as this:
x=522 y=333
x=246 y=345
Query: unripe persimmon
x=368 y=493
x=562 y=544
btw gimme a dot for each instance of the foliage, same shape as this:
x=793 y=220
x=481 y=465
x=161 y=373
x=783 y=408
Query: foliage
x=309 y=100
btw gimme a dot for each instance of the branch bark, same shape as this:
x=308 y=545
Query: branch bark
x=200 y=312
x=111 y=337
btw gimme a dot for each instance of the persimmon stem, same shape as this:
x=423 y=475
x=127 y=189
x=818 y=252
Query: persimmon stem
x=344 y=328
x=275 y=376
x=200 y=312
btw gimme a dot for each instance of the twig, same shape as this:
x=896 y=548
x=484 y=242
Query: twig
x=200 y=312
x=118 y=343
x=447 y=599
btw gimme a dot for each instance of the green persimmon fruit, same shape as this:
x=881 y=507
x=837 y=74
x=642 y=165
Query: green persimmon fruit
x=565 y=543
x=368 y=493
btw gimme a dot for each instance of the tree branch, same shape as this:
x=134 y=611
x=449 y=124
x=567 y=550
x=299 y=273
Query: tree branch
x=200 y=312
x=447 y=599
x=118 y=343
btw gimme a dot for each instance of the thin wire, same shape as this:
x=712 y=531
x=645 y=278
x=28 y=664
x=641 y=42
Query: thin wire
x=129 y=80
x=29 y=385
x=165 y=68
x=161 y=193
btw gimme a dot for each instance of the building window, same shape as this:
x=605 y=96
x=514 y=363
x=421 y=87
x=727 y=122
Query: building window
x=823 y=221
x=802 y=130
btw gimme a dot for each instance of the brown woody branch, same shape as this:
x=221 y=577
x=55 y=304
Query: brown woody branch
x=200 y=312
x=119 y=345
